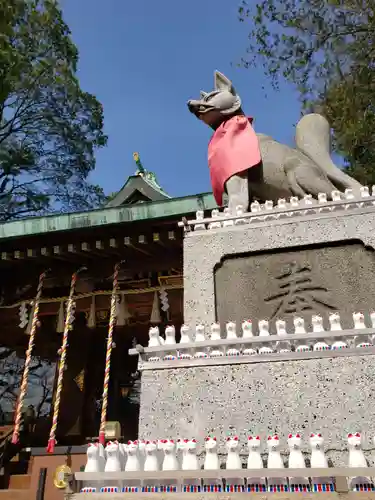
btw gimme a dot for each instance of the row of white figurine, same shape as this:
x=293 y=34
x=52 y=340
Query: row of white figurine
x=144 y=455
x=268 y=207
x=156 y=340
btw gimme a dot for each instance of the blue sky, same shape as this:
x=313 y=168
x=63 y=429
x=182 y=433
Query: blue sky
x=143 y=60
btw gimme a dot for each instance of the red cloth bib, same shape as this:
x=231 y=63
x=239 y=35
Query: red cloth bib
x=233 y=148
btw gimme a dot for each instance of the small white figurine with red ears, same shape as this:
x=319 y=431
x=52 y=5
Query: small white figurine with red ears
x=274 y=461
x=297 y=461
x=132 y=463
x=189 y=454
x=357 y=459
x=319 y=460
x=254 y=461
x=233 y=456
x=93 y=463
x=113 y=457
x=356 y=455
x=247 y=329
x=211 y=461
x=170 y=461
x=151 y=462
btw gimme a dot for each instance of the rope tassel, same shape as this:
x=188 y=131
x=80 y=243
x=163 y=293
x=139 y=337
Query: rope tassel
x=111 y=327
x=25 y=375
x=68 y=325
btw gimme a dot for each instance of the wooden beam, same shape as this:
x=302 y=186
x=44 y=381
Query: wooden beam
x=99 y=245
x=129 y=244
x=72 y=248
x=113 y=243
x=31 y=253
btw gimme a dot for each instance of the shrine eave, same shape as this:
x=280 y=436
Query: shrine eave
x=172 y=207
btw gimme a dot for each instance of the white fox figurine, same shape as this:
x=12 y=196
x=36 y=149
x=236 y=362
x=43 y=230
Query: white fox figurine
x=132 y=463
x=254 y=461
x=170 y=459
x=151 y=461
x=189 y=454
x=113 y=457
x=274 y=461
x=93 y=463
x=211 y=461
x=233 y=455
x=170 y=335
x=297 y=461
x=357 y=459
x=186 y=336
x=154 y=337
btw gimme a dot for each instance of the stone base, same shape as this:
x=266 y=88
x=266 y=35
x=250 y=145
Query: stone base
x=331 y=396
x=221 y=496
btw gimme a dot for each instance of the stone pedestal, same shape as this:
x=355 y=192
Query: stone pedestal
x=273 y=269
x=276 y=269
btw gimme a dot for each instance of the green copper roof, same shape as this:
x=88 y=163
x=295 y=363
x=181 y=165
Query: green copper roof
x=172 y=207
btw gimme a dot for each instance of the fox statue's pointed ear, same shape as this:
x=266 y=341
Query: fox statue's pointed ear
x=223 y=83
x=203 y=94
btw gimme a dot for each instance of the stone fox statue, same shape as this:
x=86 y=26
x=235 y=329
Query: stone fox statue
x=246 y=165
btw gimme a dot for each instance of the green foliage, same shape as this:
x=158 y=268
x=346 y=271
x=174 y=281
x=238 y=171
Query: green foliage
x=49 y=127
x=326 y=48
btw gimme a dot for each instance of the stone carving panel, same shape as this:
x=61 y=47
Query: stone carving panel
x=299 y=282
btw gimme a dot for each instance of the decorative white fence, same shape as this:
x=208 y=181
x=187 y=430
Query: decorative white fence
x=294 y=207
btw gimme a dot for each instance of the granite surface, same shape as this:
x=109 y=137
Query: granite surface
x=204 y=251
x=281 y=284
x=331 y=396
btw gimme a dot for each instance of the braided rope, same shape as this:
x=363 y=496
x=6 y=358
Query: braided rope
x=112 y=324
x=68 y=325
x=25 y=375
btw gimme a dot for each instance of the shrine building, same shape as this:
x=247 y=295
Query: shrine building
x=138 y=229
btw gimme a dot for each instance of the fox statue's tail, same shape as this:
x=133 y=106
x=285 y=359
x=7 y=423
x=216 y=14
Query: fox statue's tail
x=313 y=138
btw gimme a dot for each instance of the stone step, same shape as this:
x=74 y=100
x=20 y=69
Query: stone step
x=20 y=481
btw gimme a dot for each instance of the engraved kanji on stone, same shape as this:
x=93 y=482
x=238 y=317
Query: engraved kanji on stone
x=297 y=292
